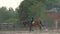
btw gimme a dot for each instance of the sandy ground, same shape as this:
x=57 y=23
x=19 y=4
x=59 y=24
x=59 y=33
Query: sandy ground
x=32 y=32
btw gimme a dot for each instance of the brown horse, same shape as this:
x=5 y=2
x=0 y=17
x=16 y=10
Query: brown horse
x=34 y=23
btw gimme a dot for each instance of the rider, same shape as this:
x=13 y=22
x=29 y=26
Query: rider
x=31 y=23
x=31 y=20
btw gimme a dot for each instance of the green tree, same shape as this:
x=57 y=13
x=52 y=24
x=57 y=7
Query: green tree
x=29 y=8
x=38 y=10
x=12 y=15
x=8 y=15
x=3 y=14
x=52 y=3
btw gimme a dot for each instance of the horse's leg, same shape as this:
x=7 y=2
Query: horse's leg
x=24 y=25
x=40 y=27
x=30 y=27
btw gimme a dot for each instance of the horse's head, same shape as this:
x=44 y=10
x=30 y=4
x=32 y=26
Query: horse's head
x=26 y=23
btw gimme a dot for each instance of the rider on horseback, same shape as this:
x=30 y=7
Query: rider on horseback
x=31 y=24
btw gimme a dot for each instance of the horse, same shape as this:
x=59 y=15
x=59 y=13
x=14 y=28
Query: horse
x=34 y=23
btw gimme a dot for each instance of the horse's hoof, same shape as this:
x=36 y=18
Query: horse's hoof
x=32 y=30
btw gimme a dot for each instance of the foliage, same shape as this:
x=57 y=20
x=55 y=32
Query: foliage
x=52 y=3
x=7 y=15
x=29 y=8
x=38 y=10
x=11 y=20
